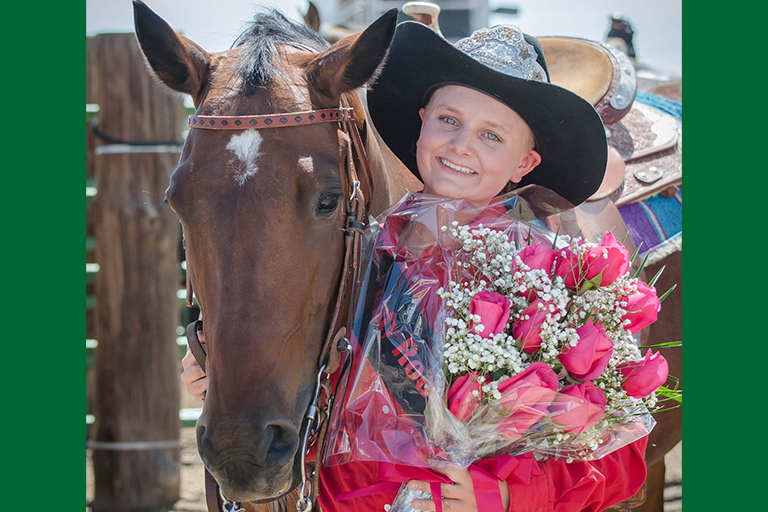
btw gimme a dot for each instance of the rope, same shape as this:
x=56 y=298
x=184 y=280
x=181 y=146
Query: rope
x=123 y=446
x=116 y=149
x=114 y=140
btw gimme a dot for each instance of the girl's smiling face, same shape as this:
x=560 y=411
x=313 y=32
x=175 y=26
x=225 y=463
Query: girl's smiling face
x=471 y=145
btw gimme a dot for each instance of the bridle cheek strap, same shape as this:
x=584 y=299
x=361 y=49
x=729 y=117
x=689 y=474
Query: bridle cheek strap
x=354 y=215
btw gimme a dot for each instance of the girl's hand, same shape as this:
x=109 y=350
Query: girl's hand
x=192 y=375
x=458 y=496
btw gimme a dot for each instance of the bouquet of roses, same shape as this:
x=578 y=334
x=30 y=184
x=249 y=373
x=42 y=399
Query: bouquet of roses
x=539 y=345
x=483 y=331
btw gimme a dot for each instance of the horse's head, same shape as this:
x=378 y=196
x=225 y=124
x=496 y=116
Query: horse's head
x=262 y=220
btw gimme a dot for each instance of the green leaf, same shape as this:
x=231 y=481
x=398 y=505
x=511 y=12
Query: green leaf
x=554 y=242
x=637 y=251
x=657 y=276
x=624 y=239
x=663 y=409
x=670 y=394
x=668 y=344
x=666 y=293
x=642 y=266
x=587 y=285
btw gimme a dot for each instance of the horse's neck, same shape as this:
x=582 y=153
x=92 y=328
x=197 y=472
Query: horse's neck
x=391 y=178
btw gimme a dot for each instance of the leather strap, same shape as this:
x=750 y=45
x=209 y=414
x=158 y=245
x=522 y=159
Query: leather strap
x=212 y=496
x=260 y=122
x=193 y=342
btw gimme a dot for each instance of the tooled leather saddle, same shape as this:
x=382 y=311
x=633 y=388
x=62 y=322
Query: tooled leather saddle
x=644 y=143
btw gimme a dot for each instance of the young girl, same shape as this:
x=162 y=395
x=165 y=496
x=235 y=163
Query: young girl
x=473 y=121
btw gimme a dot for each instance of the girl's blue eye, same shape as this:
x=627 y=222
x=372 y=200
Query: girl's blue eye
x=492 y=136
x=448 y=120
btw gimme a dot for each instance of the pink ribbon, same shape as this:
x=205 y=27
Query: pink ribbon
x=487 y=492
x=520 y=467
x=487 y=473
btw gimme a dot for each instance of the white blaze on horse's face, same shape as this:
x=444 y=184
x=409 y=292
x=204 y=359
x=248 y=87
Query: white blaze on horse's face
x=245 y=146
x=306 y=164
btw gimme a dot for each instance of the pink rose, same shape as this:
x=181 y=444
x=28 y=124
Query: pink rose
x=527 y=397
x=527 y=328
x=644 y=377
x=567 y=266
x=610 y=260
x=538 y=257
x=493 y=309
x=642 y=308
x=578 y=407
x=461 y=401
x=590 y=356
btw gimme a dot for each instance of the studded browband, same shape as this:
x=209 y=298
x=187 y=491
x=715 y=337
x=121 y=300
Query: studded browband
x=271 y=120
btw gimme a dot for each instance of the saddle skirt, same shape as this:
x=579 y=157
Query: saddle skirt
x=650 y=143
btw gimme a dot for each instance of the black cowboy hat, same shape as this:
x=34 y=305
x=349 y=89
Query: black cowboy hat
x=569 y=132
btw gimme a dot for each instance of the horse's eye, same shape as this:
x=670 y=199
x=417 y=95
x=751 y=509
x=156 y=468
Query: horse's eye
x=328 y=204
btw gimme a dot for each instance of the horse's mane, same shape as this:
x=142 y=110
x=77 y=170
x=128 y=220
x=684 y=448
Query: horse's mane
x=265 y=31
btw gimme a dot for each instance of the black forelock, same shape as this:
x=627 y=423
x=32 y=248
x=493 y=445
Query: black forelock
x=265 y=31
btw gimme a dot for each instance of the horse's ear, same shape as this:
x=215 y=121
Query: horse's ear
x=352 y=62
x=312 y=17
x=178 y=62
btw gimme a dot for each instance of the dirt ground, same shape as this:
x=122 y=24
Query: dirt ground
x=193 y=492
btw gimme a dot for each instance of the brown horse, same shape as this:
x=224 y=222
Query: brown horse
x=263 y=226
x=263 y=221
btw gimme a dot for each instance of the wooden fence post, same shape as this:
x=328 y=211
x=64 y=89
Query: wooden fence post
x=135 y=440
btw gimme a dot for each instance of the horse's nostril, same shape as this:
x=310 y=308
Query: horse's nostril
x=228 y=448
x=203 y=440
x=284 y=442
x=200 y=433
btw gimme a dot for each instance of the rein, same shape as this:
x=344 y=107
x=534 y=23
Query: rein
x=335 y=342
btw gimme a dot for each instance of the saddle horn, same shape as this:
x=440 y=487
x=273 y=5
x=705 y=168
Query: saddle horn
x=424 y=12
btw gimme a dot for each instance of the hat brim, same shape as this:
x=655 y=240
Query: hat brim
x=569 y=133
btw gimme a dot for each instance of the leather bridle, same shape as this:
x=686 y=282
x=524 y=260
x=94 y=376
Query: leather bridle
x=335 y=343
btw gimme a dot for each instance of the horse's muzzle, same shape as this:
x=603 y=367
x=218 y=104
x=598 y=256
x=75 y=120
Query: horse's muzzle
x=251 y=462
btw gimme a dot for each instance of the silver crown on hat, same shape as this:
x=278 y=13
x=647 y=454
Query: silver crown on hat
x=503 y=48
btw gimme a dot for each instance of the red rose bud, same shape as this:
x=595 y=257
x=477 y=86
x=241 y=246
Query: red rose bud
x=528 y=330
x=567 y=266
x=537 y=257
x=493 y=309
x=642 y=308
x=461 y=401
x=588 y=359
x=644 y=377
x=578 y=407
x=609 y=260
x=526 y=397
